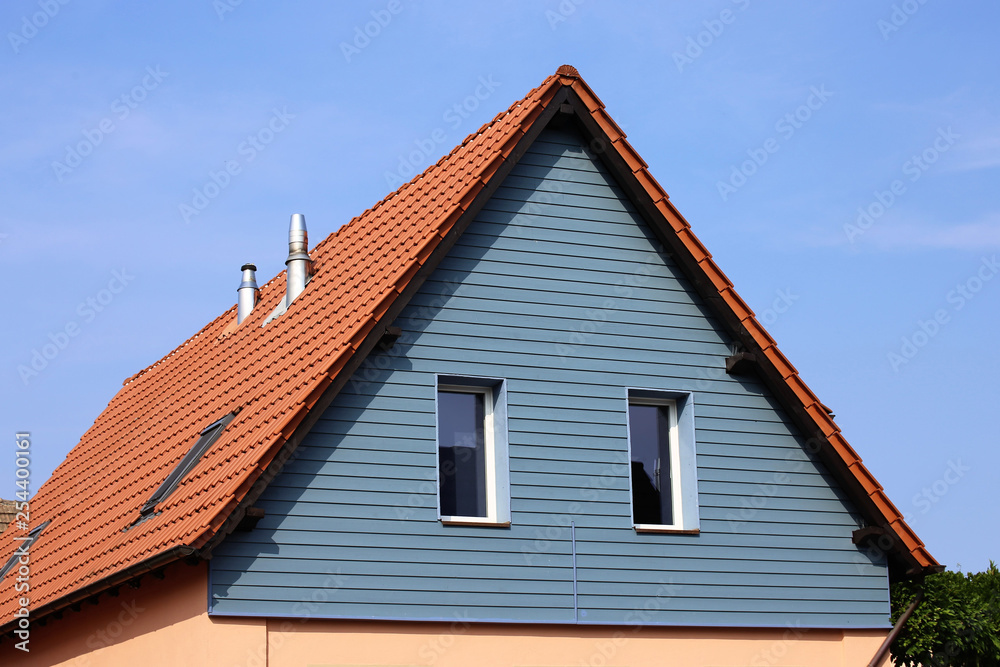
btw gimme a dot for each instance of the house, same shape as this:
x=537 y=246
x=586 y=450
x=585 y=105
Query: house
x=514 y=414
x=7 y=512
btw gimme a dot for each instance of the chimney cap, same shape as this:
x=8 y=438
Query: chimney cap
x=248 y=265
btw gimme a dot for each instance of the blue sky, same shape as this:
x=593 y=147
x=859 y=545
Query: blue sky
x=839 y=159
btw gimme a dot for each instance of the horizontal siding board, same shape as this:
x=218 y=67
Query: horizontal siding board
x=684 y=595
x=519 y=221
x=546 y=210
x=534 y=392
x=489 y=591
x=612 y=273
x=603 y=357
x=581 y=291
x=800 y=570
x=640 y=617
x=307 y=574
x=559 y=288
x=321 y=558
x=750 y=606
x=303 y=604
x=718 y=489
x=559 y=175
x=467 y=321
x=534 y=183
x=364 y=456
x=572 y=318
x=494 y=360
x=527 y=197
x=841 y=584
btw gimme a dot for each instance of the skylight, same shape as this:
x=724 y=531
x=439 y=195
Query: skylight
x=181 y=470
x=22 y=550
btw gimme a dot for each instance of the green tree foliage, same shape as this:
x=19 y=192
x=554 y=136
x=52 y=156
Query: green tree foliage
x=956 y=625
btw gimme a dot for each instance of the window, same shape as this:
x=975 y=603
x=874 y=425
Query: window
x=663 y=471
x=473 y=484
x=22 y=550
x=209 y=435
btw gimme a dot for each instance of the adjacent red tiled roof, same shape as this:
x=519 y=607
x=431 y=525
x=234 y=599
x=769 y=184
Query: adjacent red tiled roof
x=273 y=375
x=7 y=512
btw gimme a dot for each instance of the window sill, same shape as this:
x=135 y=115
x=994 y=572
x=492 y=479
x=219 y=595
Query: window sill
x=472 y=521
x=651 y=528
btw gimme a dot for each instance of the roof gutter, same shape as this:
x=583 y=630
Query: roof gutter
x=883 y=650
x=98 y=587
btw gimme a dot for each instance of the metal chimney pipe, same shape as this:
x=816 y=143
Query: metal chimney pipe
x=247 y=293
x=298 y=261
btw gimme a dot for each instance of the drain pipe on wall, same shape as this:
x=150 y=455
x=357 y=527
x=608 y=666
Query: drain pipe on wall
x=883 y=650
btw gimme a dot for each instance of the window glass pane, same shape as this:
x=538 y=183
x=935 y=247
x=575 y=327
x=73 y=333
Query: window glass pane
x=649 y=433
x=462 y=453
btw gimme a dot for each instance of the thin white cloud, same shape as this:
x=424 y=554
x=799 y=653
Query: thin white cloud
x=978 y=236
x=899 y=233
x=977 y=152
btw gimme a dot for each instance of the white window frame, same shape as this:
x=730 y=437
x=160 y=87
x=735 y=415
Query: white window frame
x=495 y=443
x=683 y=465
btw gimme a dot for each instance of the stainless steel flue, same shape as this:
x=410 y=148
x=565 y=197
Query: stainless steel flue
x=298 y=261
x=247 y=293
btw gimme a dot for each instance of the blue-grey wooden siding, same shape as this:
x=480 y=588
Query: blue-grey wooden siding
x=558 y=288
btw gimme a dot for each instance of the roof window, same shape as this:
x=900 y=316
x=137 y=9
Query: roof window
x=22 y=551
x=209 y=435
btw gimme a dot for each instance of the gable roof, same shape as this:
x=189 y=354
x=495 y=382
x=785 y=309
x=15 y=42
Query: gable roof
x=279 y=378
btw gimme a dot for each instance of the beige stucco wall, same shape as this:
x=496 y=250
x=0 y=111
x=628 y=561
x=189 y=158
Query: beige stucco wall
x=164 y=622
x=338 y=644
